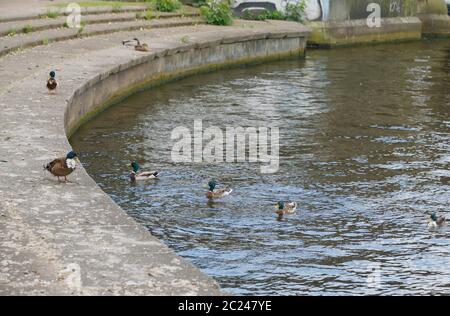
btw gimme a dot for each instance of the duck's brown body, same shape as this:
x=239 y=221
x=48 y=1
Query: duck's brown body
x=51 y=84
x=59 y=168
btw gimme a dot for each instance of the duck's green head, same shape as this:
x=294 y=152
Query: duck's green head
x=135 y=166
x=280 y=205
x=52 y=74
x=433 y=217
x=71 y=155
x=212 y=185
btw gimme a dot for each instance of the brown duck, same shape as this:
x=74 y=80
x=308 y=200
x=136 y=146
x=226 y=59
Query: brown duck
x=138 y=46
x=51 y=82
x=62 y=167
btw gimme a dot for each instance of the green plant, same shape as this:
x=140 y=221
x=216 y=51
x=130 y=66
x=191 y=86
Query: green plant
x=148 y=15
x=12 y=32
x=116 y=8
x=217 y=12
x=28 y=28
x=198 y=3
x=51 y=14
x=45 y=41
x=167 y=5
x=296 y=11
x=184 y=39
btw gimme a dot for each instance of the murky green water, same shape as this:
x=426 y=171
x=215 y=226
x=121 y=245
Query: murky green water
x=365 y=138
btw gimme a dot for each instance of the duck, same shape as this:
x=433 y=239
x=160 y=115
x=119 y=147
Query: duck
x=138 y=46
x=63 y=167
x=436 y=222
x=51 y=82
x=214 y=193
x=285 y=208
x=135 y=175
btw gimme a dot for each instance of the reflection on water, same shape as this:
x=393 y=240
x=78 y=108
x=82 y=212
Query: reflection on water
x=365 y=138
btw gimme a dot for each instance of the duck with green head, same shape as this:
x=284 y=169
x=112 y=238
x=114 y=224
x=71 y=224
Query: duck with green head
x=137 y=175
x=51 y=82
x=285 y=208
x=436 y=222
x=214 y=193
x=64 y=166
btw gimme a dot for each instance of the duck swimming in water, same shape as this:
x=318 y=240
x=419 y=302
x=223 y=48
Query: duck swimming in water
x=51 y=82
x=285 y=208
x=138 y=46
x=62 y=167
x=436 y=222
x=214 y=193
x=135 y=175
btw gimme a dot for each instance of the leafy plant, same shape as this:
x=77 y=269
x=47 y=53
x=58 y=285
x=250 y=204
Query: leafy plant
x=217 y=12
x=295 y=11
x=184 y=39
x=45 y=41
x=167 y=5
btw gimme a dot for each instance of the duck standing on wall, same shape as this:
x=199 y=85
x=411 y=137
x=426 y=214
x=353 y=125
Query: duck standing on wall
x=436 y=222
x=135 y=175
x=51 y=82
x=62 y=167
x=285 y=208
x=138 y=46
x=214 y=193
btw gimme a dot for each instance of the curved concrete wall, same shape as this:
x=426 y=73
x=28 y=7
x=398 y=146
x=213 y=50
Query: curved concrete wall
x=72 y=238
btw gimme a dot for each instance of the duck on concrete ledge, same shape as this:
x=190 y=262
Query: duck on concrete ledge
x=62 y=167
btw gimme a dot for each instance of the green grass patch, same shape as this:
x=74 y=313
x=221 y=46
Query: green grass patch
x=51 y=14
x=28 y=28
x=12 y=32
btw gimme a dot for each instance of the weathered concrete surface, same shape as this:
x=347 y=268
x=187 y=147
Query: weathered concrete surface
x=10 y=44
x=17 y=27
x=71 y=238
x=357 y=32
x=434 y=17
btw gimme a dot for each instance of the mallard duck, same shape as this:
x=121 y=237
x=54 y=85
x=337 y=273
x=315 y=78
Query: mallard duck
x=135 y=175
x=214 y=193
x=140 y=47
x=285 y=208
x=436 y=222
x=62 y=167
x=51 y=82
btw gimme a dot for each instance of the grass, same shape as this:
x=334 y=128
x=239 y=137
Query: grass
x=45 y=41
x=184 y=39
x=12 y=32
x=28 y=28
x=51 y=14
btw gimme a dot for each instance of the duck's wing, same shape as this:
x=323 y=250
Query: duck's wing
x=149 y=174
x=291 y=207
x=58 y=167
x=441 y=220
x=223 y=192
x=51 y=84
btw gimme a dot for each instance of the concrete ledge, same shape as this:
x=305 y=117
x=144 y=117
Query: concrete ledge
x=72 y=239
x=356 y=32
x=435 y=25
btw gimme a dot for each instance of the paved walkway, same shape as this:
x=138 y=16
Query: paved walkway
x=71 y=238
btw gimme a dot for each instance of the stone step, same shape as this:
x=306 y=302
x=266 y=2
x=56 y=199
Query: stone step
x=28 y=26
x=10 y=44
x=40 y=12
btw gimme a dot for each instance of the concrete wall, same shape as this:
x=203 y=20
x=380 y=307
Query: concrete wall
x=156 y=68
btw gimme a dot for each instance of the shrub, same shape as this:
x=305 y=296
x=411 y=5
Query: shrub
x=295 y=11
x=217 y=12
x=167 y=5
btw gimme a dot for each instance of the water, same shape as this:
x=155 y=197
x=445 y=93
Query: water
x=365 y=138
